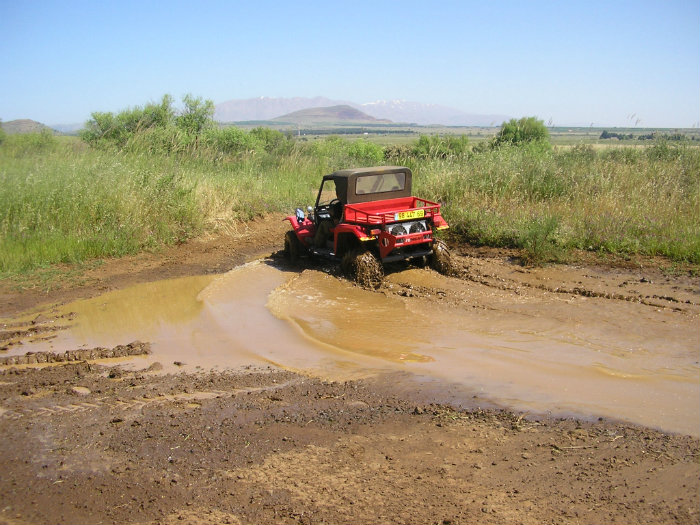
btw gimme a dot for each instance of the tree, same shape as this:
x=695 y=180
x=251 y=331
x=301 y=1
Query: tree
x=197 y=116
x=523 y=131
x=158 y=115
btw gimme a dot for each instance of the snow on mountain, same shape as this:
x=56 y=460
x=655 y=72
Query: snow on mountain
x=425 y=114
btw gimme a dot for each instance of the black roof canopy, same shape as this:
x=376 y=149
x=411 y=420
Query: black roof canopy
x=384 y=182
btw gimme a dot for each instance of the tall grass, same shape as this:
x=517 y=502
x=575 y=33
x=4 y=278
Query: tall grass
x=618 y=201
x=62 y=201
x=61 y=205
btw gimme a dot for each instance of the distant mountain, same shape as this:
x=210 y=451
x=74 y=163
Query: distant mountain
x=24 y=126
x=426 y=114
x=327 y=115
x=68 y=129
x=268 y=108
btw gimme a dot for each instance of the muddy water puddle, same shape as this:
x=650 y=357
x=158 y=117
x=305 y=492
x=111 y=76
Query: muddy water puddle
x=543 y=353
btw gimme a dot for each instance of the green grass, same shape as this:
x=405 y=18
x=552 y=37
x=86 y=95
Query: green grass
x=622 y=201
x=64 y=202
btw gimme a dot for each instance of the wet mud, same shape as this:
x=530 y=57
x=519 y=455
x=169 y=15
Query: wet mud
x=520 y=344
x=268 y=393
x=87 y=443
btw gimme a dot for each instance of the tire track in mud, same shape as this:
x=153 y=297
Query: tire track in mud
x=134 y=404
x=514 y=286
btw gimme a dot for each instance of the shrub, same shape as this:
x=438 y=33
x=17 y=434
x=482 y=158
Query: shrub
x=197 y=116
x=365 y=151
x=232 y=140
x=538 y=241
x=106 y=127
x=527 y=129
x=272 y=140
x=396 y=152
x=441 y=147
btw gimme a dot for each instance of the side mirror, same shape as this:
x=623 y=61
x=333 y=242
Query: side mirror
x=300 y=215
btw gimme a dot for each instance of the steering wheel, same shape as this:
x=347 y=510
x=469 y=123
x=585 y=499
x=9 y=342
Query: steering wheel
x=335 y=203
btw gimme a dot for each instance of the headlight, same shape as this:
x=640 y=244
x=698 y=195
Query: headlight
x=417 y=227
x=398 y=229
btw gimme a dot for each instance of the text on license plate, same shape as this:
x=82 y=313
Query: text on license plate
x=412 y=214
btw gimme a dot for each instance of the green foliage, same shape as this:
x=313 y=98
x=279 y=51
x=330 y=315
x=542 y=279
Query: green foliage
x=366 y=152
x=59 y=206
x=197 y=116
x=539 y=241
x=27 y=143
x=109 y=129
x=441 y=146
x=661 y=150
x=523 y=131
x=161 y=183
x=272 y=140
x=3 y=135
x=613 y=135
x=398 y=153
x=232 y=140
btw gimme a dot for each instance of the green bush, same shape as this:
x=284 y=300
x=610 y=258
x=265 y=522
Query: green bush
x=539 y=241
x=108 y=128
x=197 y=116
x=441 y=147
x=525 y=130
x=232 y=140
x=272 y=140
x=366 y=152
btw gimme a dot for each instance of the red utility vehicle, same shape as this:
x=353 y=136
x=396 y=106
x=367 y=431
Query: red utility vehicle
x=365 y=217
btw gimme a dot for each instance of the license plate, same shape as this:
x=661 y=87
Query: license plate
x=406 y=215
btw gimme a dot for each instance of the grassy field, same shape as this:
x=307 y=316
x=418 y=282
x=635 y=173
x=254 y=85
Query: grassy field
x=62 y=201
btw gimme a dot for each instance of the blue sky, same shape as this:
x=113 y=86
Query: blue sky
x=611 y=63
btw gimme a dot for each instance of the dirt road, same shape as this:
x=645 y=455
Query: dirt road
x=143 y=440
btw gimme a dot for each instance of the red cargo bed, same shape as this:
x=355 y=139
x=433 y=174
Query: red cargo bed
x=391 y=210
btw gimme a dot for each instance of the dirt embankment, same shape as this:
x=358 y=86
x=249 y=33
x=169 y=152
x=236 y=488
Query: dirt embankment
x=91 y=441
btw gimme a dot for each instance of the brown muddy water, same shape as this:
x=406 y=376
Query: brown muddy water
x=536 y=354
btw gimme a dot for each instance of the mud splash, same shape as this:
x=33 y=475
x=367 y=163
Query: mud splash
x=536 y=351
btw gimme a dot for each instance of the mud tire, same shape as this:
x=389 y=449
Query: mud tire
x=441 y=260
x=363 y=267
x=293 y=248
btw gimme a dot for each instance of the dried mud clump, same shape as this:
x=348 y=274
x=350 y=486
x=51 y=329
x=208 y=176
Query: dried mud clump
x=134 y=348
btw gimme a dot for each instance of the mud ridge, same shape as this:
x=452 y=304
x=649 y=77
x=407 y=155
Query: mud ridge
x=88 y=354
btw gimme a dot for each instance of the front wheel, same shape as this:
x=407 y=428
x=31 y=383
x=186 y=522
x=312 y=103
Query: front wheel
x=363 y=267
x=440 y=259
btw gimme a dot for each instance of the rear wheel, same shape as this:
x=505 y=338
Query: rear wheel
x=363 y=267
x=440 y=259
x=292 y=247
